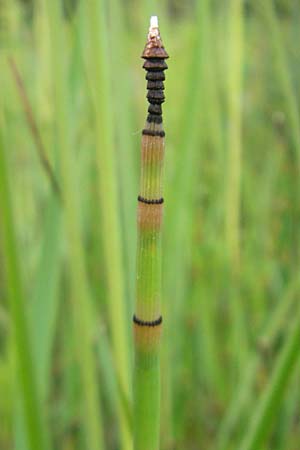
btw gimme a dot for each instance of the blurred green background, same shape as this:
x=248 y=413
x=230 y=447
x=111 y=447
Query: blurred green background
x=72 y=109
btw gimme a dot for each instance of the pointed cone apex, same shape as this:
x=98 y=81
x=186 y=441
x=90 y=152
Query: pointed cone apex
x=154 y=47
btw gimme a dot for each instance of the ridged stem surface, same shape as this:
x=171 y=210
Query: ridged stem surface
x=147 y=318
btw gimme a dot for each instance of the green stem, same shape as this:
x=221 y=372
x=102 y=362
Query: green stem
x=147 y=318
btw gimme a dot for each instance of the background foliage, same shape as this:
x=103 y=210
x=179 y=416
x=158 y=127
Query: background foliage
x=230 y=354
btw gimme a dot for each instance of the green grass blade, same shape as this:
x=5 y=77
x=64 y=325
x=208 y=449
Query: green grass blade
x=234 y=132
x=271 y=399
x=178 y=224
x=282 y=71
x=108 y=193
x=243 y=392
x=233 y=179
x=45 y=295
x=26 y=379
x=123 y=107
x=81 y=308
x=43 y=309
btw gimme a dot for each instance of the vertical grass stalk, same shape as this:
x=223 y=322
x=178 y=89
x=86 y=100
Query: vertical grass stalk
x=178 y=223
x=233 y=191
x=110 y=207
x=120 y=42
x=241 y=402
x=147 y=319
x=80 y=294
x=268 y=405
x=283 y=72
x=234 y=133
x=25 y=370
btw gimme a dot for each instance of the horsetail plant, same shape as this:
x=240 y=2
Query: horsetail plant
x=147 y=318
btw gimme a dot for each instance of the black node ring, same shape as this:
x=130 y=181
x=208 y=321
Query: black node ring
x=153 y=133
x=157 y=201
x=147 y=323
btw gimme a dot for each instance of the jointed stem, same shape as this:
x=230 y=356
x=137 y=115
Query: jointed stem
x=147 y=318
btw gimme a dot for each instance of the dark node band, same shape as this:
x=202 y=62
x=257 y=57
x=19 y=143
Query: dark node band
x=146 y=323
x=154 y=133
x=155 y=64
x=155 y=109
x=153 y=118
x=155 y=67
x=155 y=76
x=155 y=94
x=155 y=101
x=155 y=201
x=158 y=85
x=153 y=51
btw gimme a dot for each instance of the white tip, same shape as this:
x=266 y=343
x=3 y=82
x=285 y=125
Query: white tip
x=154 y=22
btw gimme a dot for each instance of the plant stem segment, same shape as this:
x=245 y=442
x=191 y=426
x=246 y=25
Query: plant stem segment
x=147 y=319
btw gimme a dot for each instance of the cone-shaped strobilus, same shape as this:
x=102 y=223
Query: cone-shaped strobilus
x=147 y=320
